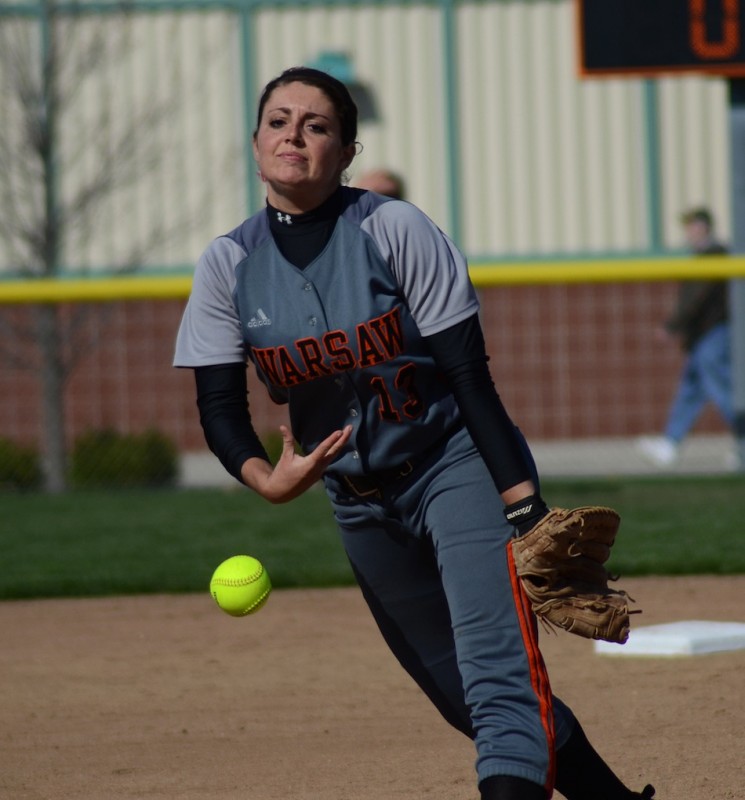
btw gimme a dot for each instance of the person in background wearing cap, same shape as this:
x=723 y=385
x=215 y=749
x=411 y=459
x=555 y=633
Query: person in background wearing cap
x=383 y=181
x=701 y=323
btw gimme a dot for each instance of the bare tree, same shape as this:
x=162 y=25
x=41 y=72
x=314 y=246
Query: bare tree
x=43 y=65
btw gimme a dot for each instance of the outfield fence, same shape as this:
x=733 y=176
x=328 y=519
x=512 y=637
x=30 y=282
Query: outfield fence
x=573 y=352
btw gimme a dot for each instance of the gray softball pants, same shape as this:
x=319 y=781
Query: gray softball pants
x=431 y=557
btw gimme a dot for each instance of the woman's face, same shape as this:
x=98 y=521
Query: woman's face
x=298 y=147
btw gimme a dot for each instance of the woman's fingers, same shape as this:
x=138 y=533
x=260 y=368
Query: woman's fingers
x=334 y=443
x=288 y=440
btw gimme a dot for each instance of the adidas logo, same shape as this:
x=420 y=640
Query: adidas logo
x=259 y=320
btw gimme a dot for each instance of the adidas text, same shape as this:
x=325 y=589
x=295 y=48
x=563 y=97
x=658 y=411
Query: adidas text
x=259 y=320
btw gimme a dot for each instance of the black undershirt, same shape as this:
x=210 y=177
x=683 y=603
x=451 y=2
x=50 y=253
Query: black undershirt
x=458 y=351
x=302 y=237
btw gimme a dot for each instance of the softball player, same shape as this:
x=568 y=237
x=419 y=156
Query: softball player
x=358 y=312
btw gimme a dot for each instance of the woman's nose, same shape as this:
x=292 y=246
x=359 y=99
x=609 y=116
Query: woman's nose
x=295 y=132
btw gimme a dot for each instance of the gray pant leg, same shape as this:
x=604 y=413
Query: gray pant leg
x=432 y=564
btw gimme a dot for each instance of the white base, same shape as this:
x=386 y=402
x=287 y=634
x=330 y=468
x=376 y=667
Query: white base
x=687 y=638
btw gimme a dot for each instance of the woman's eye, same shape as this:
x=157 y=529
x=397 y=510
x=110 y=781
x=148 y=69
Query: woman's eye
x=276 y=123
x=317 y=128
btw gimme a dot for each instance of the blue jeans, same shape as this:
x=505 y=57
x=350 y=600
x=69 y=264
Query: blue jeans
x=707 y=376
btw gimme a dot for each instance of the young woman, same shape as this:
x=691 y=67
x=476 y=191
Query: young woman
x=359 y=314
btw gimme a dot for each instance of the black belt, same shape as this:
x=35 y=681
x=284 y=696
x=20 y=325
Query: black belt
x=373 y=483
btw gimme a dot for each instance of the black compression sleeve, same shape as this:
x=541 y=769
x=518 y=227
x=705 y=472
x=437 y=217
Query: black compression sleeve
x=223 y=411
x=460 y=352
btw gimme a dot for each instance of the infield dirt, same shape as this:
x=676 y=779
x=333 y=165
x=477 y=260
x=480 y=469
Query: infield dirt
x=167 y=698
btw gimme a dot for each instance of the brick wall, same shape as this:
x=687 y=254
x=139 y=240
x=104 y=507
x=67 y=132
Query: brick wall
x=571 y=361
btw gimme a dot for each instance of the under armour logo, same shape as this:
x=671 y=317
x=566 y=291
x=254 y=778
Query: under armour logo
x=286 y=218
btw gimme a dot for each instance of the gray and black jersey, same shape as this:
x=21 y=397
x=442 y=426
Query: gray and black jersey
x=340 y=341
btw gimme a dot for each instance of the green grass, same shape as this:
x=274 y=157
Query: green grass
x=669 y=526
x=103 y=543
x=106 y=543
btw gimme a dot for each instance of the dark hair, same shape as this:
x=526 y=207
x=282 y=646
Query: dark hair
x=334 y=89
x=698 y=215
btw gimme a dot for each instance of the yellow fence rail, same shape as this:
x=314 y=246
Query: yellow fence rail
x=176 y=287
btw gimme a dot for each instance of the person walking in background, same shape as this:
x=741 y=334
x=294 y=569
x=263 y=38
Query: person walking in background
x=359 y=313
x=701 y=323
x=383 y=181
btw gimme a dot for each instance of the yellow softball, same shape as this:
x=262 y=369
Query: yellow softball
x=240 y=585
